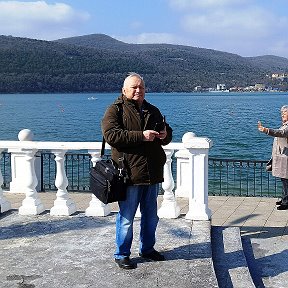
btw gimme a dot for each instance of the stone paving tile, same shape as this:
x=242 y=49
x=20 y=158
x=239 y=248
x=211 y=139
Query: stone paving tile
x=278 y=223
x=244 y=211
x=277 y=218
x=217 y=221
x=254 y=223
x=233 y=202
x=236 y=221
x=259 y=217
x=263 y=210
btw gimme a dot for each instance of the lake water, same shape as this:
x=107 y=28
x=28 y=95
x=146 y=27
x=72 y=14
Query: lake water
x=229 y=119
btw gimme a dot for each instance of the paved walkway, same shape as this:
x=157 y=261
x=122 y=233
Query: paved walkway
x=263 y=228
x=256 y=216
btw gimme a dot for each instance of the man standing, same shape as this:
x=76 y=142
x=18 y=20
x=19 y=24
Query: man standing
x=129 y=127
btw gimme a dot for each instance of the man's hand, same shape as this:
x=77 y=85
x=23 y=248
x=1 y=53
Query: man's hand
x=149 y=135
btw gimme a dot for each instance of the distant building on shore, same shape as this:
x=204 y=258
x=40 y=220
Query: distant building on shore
x=220 y=87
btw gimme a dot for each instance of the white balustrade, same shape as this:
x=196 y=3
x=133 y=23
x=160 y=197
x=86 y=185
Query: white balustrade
x=18 y=163
x=169 y=207
x=31 y=205
x=183 y=172
x=23 y=174
x=198 y=187
x=5 y=205
x=193 y=152
x=63 y=205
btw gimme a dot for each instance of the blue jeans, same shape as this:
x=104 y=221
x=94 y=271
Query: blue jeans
x=146 y=196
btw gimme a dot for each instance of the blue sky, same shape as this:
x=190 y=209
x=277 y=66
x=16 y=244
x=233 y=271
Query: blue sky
x=243 y=27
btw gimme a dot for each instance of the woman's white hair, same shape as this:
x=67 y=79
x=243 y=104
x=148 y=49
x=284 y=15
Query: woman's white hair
x=284 y=108
x=130 y=75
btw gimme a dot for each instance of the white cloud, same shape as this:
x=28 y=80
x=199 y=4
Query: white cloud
x=194 y=4
x=37 y=19
x=254 y=23
x=149 y=38
x=242 y=27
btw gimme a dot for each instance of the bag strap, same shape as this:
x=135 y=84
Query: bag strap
x=121 y=158
x=103 y=147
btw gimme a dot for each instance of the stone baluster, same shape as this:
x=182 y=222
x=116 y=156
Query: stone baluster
x=96 y=207
x=183 y=173
x=31 y=205
x=18 y=164
x=4 y=203
x=198 y=187
x=63 y=205
x=22 y=165
x=169 y=207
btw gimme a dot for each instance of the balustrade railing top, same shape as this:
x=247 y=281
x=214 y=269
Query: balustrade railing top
x=24 y=179
x=40 y=145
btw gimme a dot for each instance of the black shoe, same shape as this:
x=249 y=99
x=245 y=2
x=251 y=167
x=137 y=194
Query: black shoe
x=282 y=207
x=125 y=263
x=154 y=256
x=279 y=202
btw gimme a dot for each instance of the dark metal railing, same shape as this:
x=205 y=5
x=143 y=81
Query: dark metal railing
x=242 y=178
x=77 y=168
x=226 y=176
x=5 y=166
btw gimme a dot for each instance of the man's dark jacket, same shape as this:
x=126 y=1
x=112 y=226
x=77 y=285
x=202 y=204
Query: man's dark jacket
x=122 y=126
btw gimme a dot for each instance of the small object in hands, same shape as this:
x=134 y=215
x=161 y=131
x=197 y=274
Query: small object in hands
x=160 y=126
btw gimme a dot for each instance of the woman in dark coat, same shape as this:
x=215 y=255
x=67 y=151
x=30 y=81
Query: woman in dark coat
x=280 y=154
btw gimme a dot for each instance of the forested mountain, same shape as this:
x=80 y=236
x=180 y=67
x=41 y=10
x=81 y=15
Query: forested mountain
x=98 y=63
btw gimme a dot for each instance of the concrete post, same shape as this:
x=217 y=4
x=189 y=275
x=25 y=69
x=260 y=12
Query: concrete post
x=31 y=205
x=169 y=207
x=198 y=149
x=18 y=164
x=63 y=205
x=183 y=175
x=24 y=179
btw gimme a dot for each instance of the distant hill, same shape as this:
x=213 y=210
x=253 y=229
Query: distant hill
x=100 y=41
x=99 y=63
x=270 y=63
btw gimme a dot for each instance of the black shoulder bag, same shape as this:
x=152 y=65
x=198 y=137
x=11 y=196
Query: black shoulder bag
x=108 y=181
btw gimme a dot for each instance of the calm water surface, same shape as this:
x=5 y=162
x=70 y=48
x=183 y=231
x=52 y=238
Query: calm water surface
x=229 y=119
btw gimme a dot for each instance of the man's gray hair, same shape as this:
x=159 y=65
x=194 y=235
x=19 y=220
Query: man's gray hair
x=284 y=108
x=130 y=75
